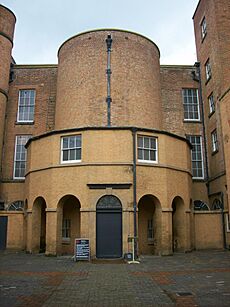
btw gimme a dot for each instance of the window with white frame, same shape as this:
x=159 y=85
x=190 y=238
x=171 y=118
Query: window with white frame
x=26 y=104
x=196 y=156
x=214 y=141
x=203 y=28
x=191 y=104
x=66 y=230
x=211 y=104
x=147 y=148
x=20 y=156
x=71 y=149
x=208 y=70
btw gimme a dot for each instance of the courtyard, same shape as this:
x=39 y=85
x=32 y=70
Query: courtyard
x=200 y=278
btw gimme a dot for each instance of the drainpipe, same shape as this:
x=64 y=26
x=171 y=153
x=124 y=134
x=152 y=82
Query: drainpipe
x=109 y=72
x=134 y=192
x=223 y=222
x=197 y=65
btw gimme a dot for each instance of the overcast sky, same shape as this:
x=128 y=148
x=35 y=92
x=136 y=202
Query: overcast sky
x=43 y=25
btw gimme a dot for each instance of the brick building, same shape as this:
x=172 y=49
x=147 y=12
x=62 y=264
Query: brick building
x=142 y=152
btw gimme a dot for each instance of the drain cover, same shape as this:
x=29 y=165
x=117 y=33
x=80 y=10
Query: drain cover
x=184 y=294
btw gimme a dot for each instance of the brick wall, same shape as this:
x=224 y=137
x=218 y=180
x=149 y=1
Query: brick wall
x=215 y=47
x=135 y=82
x=7 y=22
x=43 y=80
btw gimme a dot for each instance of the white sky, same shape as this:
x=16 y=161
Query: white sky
x=43 y=25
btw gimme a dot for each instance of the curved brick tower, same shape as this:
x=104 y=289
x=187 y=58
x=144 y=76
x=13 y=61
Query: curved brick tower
x=7 y=23
x=135 y=81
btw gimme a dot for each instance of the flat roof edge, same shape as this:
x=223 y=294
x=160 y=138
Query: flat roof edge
x=176 y=66
x=34 y=66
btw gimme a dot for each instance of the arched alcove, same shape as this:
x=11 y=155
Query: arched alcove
x=68 y=223
x=178 y=224
x=39 y=225
x=149 y=225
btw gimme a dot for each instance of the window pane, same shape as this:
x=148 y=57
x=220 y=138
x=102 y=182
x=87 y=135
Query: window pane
x=146 y=142
x=78 y=154
x=72 y=142
x=78 y=141
x=153 y=143
x=72 y=154
x=32 y=94
x=65 y=143
x=153 y=155
x=22 y=169
x=146 y=154
x=23 y=156
x=65 y=155
x=140 y=154
x=140 y=141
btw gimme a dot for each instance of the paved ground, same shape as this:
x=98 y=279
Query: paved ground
x=193 y=279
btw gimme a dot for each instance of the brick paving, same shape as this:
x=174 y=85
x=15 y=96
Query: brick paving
x=193 y=279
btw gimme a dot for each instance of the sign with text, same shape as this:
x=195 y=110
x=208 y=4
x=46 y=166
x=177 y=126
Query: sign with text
x=81 y=249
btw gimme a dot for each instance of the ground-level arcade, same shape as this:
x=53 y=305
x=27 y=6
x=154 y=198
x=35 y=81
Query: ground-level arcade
x=94 y=197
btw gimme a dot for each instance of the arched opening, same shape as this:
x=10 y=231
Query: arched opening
x=178 y=225
x=149 y=225
x=17 y=205
x=39 y=225
x=109 y=227
x=68 y=223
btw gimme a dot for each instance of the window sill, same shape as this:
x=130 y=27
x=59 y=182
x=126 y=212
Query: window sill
x=210 y=114
x=70 y=162
x=215 y=152
x=208 y=80
x=203 y=38
x=192 y=121
x=21 y=179
x=14 y=180
x=147 y=162
x=198 y=179
x=24 y=123
x=66 y=241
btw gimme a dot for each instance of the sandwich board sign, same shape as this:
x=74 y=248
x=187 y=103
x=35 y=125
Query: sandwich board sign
x=81 y=249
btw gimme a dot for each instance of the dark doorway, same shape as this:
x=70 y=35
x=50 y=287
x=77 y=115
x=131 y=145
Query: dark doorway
x=109 y=227
x=43 y=228
x=149 y=225
x=178 y=225
x=39 y=225
x=3 y=231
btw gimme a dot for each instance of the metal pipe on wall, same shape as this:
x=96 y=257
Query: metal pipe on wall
x=109 y=72
x=134 y=193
